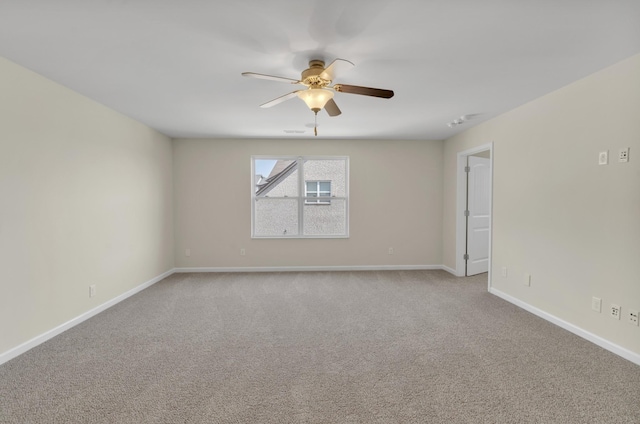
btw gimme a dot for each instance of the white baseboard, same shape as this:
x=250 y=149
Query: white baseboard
x=603 y=343
x=18 y=350
x=450 y=270
x=311 y=268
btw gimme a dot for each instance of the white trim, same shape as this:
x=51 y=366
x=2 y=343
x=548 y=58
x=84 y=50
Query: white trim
x=314 y=268
x=612 y=347
x=20 y=349
x=603 y=343
x=252 y=197
x=489 y=277
x=300 y=161
x=450 y=270
x=461 y=190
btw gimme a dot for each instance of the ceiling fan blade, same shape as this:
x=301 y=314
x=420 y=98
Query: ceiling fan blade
x=332 y=108
x=280 y=99
x=336 y=67
x=365 y=91
x=270 y=77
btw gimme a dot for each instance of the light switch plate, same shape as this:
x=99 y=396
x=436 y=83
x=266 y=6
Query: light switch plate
x=603 y=158
x=596 y=304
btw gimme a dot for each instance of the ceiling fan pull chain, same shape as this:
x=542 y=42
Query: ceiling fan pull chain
x=315 y=124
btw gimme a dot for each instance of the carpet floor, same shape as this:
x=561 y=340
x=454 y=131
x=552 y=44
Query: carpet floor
x=318 y=347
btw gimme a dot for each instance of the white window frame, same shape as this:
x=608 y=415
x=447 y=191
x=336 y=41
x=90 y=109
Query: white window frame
x=301 y=199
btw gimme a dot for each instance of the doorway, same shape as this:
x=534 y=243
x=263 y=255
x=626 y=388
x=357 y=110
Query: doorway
x=473 y=211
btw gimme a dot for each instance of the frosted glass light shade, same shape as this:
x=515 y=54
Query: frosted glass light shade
x=316 y=98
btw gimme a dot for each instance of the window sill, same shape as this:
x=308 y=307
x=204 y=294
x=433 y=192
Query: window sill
x=300 y=237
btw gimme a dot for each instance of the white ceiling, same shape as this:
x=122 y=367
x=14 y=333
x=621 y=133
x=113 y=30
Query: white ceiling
x=176 y=65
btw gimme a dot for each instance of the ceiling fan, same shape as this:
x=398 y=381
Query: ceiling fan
x=319 y=92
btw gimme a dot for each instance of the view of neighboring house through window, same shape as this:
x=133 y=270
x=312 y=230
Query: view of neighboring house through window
x=299 y=197
x=320 y=190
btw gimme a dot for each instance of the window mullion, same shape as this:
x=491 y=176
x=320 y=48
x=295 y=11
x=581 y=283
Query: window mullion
x=301 y=196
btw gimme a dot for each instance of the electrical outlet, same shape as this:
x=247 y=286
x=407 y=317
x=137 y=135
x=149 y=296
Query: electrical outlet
x=391 y=250
x=596 y=304
x=527 y=280
x=504 y=271
x=243 y=252
x=623 y=155
x=92 y=290
x=603 y=158
x=632 y=317
x=615 y=311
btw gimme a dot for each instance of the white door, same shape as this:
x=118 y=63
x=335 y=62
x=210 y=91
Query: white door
x=478 y=219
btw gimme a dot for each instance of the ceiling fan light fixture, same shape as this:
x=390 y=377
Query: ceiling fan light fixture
x=316 y=98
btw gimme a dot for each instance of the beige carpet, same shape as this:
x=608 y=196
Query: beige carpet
x=322 y=347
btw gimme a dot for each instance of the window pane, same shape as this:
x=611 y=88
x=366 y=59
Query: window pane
x=276 y=217
x=263 y=167
x=282 y=180
x=329 y=220
x=332 y=174
x=287 y=204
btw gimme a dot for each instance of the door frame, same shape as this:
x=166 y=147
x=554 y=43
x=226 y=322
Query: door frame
x=461 y=205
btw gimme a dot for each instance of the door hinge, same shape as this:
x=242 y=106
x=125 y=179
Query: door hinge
x=466 y=213
x=467 y=169
x=466 y=257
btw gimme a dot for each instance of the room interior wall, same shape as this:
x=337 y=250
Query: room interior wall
x=395 y=201
x=92 y=197
x=558 y=215
x=85 y=198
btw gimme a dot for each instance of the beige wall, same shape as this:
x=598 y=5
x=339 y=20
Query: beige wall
x=558 y=215
x=396 y=201
x=85 y=198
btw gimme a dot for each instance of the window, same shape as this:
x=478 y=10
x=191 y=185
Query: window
x=317 y=189
x=286 y=194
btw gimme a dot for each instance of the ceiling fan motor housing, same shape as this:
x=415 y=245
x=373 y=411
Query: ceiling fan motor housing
x=311 y=77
